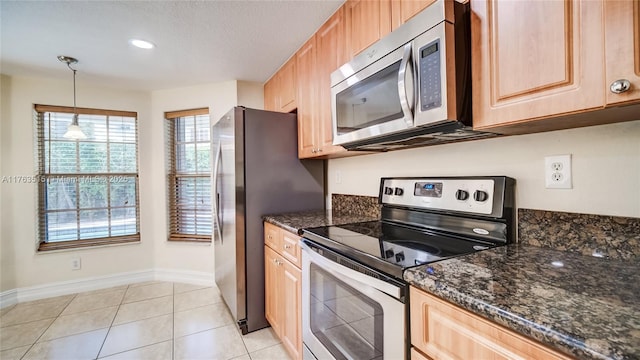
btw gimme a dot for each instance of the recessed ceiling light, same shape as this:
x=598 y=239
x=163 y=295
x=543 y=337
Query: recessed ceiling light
x=142 y=44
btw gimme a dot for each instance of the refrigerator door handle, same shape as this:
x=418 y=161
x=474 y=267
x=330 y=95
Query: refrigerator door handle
x=216 y=208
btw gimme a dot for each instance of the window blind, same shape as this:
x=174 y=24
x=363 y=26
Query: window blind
x=87 y=189
x=189 y=178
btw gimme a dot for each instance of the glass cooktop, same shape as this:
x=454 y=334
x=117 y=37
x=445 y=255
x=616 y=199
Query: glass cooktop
x=391 y=248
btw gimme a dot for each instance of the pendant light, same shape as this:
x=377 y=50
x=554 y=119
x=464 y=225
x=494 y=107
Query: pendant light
x=73 y=131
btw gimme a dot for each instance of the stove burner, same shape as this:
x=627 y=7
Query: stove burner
x=417 y=245
x=367 y=228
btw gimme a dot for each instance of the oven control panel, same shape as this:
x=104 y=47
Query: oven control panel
x=476 y=195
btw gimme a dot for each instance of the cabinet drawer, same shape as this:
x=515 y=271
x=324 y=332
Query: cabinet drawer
x=444 y=331
x=291 y=248
x=272 y=236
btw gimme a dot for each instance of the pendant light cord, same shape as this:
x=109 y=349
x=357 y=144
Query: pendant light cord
x=75 y=111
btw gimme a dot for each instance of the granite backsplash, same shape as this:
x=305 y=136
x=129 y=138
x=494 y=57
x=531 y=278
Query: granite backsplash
x=613 y=237
x=355 y=204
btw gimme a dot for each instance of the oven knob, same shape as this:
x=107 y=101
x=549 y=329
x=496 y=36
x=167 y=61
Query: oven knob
x=400 y=256
x=388 y=191
x=462 y=195
x=399 y=191
x=480 y=195
x=388 y=253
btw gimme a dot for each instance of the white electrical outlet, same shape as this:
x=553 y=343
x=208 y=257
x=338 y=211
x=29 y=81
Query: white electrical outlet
x=76 y=263
x=557 y=172
x=338 y=177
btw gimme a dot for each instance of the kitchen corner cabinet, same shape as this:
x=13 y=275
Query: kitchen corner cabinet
x=280 y=91
x=283 y=289
x=307 y=100
x=441 y=330
x=549 y=70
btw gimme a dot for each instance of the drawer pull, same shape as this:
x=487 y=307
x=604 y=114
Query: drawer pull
x=287 y=246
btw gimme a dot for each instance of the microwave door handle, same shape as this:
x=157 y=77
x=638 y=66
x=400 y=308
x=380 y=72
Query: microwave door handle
x=402 y=85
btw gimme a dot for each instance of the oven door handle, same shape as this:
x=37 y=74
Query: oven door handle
x=339 y=271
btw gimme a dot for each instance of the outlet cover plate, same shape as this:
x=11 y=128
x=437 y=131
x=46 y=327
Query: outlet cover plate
x=557 y=172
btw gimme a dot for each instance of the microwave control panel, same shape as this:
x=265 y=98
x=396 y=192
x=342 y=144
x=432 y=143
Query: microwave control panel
x=430 y=81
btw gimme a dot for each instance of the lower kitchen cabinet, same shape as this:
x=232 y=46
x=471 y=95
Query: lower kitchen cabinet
x=441 y=330
x=283 y=289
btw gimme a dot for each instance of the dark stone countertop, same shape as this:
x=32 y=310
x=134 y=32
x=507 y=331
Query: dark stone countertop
x=584 y=306
x=295 y=222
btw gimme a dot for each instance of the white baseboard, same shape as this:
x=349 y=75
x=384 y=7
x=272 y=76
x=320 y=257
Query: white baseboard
x=10 y=297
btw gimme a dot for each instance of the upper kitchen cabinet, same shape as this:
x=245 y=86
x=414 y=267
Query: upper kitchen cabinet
x=546 y=63
x=566 y=64
x=280 y=90
x=366 y=22
x=403 y=10
x=622 y=49
x=315 y=62
x=331 y=54
x=308 y=105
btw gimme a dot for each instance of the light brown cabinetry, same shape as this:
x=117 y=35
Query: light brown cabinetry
x=549 y=70
x=283 y=289
x=316 y=60
x=622 y=48
x=280 y=90
x=367 y=21
x=307 y=99
x=441 y=330
x=403 y=10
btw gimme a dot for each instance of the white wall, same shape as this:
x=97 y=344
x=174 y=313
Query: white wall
x=219 y=98
x=19 y=200
x=605 y=167
x=7 y=270
x=21 y=265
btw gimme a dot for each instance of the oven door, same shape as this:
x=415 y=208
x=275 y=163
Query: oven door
x=347 y=314
x=377 y=100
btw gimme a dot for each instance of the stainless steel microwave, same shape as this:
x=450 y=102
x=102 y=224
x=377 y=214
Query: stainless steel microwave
x=410 y=88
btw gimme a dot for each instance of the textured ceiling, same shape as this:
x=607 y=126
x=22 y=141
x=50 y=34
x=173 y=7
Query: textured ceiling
x=197 y=42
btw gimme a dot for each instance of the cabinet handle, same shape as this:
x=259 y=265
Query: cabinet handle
x=319 y=150
x=270 y=237
x=287 y=246
x=620 y=86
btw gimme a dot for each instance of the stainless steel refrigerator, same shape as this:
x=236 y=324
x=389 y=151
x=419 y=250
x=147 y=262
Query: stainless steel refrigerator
x=256 y=171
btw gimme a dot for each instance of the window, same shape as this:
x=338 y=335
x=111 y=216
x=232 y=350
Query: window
x=88 y=189
x=189 y=176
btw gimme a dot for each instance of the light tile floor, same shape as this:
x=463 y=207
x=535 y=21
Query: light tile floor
x=153 y=320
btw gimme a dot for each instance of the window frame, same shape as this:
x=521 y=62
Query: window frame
x=173 y=211
x=44 y=177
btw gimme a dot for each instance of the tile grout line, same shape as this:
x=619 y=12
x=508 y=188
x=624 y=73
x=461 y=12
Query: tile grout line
x=45 y=330
x=112 y=320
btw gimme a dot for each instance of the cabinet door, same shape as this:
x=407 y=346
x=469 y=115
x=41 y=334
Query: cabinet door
x=546 y=63
x=292 y=310
x=367 y=21
x=307 y=99
x=273 y=289
x=270 y=102
x=443 y=331
x=403 y=10
x=622 y=48
x=330 y=56
x=287 y=88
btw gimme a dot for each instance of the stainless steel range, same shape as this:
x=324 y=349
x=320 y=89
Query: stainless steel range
x=354 y=298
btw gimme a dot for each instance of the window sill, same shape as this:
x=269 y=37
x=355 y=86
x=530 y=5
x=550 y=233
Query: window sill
x=89 y=243
x=189 y=238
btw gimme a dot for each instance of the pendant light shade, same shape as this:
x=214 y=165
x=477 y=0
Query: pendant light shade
x=73 y=131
